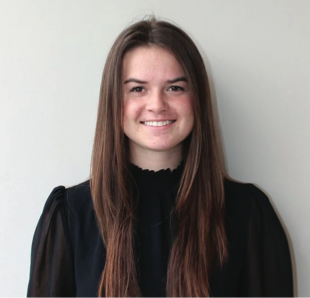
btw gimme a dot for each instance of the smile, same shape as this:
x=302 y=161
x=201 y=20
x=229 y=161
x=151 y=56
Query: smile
x=158 y=123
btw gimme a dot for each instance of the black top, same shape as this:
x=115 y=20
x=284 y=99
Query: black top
x=68 y=254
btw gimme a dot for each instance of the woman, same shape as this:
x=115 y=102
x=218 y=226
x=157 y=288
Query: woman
x=158 y=216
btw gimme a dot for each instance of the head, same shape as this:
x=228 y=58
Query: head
x=155 y=34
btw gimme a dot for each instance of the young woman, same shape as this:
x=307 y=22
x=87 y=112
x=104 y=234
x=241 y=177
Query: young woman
x=158 y=216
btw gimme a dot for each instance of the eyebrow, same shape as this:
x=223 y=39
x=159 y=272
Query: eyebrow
x=178 y=79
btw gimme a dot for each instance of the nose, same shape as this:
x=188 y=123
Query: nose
x=157 y=102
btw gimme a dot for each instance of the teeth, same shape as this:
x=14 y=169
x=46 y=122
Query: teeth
x=157 y=123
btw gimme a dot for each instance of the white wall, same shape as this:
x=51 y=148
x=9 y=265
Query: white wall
x=51 y=58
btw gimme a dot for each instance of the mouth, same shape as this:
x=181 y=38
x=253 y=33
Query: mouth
x=158 y=123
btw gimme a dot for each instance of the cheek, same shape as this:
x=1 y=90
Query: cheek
x=186 y=108
x=188 y=114
x=127 y=111
x=131 y=114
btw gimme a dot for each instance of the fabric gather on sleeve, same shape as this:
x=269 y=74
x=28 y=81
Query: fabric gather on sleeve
x=267 y=265
x=52 y=267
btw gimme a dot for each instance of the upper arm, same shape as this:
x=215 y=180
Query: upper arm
x=52 y=267
x=267 y=267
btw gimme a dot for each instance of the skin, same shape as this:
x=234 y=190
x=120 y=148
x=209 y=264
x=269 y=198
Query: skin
x=155 y=89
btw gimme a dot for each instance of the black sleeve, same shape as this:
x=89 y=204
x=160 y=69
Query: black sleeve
x=267 y=269
x=52 y=267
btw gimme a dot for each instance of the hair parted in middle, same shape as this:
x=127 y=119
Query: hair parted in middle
x=200 y=241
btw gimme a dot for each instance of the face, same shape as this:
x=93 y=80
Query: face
x=158 y=113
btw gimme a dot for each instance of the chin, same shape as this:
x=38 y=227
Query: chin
x=163 y=147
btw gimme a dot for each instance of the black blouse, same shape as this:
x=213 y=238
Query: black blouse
x=68 y=254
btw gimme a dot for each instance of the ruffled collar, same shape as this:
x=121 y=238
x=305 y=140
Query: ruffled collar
x=159 y=181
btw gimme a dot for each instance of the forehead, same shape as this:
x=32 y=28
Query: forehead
x=150 y=62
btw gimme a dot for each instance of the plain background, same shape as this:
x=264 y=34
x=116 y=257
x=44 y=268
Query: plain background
x=51 y=58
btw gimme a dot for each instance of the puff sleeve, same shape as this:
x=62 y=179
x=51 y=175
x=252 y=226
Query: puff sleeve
x=267 y=269
x=52 y=266
x=259 y=261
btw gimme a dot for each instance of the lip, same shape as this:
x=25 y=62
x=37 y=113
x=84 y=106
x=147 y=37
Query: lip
x=158 y=127
x=157 y=120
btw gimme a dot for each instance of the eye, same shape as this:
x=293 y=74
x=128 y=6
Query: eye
x=176 y=88
x=137 y=89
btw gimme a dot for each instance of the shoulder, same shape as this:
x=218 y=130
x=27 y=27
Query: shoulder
x=240 y=191
x=247 y=205
x=72 y=199
x=250 y=208
x=245 y=196
x=79 y=195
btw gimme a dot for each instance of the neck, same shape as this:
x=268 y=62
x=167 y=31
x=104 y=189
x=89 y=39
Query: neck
x=156 y=160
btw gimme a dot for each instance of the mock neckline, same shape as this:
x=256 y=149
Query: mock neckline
x=157 y=181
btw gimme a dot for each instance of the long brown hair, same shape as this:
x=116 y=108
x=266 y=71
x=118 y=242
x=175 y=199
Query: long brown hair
x=200 y=240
